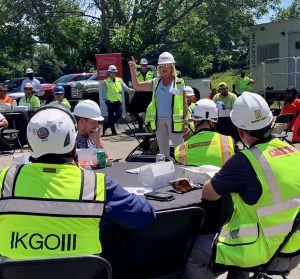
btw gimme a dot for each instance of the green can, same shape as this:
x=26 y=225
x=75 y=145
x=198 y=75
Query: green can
x=101 y=159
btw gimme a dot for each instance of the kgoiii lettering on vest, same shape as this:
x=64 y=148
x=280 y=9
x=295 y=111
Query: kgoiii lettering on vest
x=36 y=241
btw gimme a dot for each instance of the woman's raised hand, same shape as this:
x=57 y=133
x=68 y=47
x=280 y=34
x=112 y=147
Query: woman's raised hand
x=132 y=63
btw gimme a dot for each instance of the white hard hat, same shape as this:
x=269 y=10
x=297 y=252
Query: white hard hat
x=88 y=109
x=251 y=112
x=52 y=130
x=189 y=91
x=166 y=58
x=29 y=71
x=144 y=61
x=205 y=109
x=112 y=69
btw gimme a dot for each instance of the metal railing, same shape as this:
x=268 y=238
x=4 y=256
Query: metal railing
x=291 y=76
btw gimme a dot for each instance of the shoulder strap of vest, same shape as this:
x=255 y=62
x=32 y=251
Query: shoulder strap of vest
x=88 y=185
x=9 y=181
x=156 y=82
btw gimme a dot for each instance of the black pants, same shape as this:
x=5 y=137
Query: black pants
x=114 y=114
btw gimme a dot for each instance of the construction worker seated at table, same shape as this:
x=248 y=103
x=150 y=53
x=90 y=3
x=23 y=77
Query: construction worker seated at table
x=191 y=100
x=33 y=102
x=292 y=105
x=59 y=96
x=264 y=183
x=206 y=146
x=88 y=116
x=51 y=207
x=4 y=99
x=225 y=96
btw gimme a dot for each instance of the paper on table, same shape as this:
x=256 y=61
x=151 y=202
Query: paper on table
x=137 y=170
x=138 y=190
x=201 y=173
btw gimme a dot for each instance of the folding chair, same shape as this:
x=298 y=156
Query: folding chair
x=87 y=267
x=162 y=248
x=10 y=138
x=142 y=138
x=18 y=120
x=287 y=120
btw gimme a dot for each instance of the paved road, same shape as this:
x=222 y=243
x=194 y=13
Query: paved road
x=118 y=147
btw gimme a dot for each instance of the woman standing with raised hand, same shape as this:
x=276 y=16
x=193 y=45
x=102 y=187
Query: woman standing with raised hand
x=168 y=108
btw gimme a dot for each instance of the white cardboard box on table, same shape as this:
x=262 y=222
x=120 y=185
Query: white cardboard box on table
x=156 y=175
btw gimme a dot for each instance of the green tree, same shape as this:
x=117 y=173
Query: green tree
x=292 y=11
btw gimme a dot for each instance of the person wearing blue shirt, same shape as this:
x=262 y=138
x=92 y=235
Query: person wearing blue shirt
x=54 y=195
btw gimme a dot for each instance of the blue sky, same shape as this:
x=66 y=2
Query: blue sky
x=284 y=4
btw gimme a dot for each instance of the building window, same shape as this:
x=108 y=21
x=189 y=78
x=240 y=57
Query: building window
x=267 y=52
x=297 y=45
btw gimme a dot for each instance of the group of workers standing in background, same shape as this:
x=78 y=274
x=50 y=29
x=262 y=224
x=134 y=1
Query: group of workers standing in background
x=265 y=202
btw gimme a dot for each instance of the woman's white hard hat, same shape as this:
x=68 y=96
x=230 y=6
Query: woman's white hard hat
x=52 y=130
x=88 y=109
x=251 y=112
x=205 y=109
x=166 y=58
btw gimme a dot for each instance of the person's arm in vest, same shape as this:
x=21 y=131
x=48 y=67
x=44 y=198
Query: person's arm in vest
x=139 y=86
x=125 y=209
x=126 y=88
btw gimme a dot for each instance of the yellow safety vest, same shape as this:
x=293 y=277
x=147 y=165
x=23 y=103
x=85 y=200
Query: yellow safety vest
x=205 y=148
x=149 y=75
x=177 y=113
x=255 y=232
x=50 y=210
x=113 y=89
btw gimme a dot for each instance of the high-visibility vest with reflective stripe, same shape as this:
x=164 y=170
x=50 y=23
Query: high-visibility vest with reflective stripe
x=255 y=232
x=205 y=148
x=190 y=114
x=113 y=89
x=49 y=210
x=149 y=75
x=177 y=105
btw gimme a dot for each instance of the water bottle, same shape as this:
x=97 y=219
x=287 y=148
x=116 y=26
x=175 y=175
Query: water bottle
x=14 y=104
x=160 y=157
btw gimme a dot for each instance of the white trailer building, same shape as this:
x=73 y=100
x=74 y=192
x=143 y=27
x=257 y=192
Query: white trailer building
x=275 y=54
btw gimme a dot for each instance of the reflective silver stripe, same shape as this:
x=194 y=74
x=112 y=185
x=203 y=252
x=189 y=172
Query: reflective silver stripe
x=89 y=183
x=9 y=180
x=152 y=116
x=225 y=148
x=279 y=207
x=278 y=229
x=177 y=117
x=268 y=174
x=182 y=152
x=51 y=207
x=239 y=233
